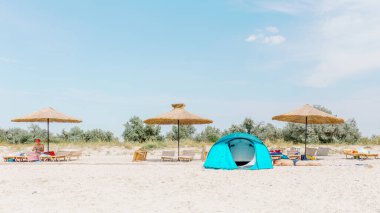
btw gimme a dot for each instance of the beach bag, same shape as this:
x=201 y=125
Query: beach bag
x=284 y=157
x=11 y=160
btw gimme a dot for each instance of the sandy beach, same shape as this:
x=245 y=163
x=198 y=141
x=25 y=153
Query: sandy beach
x=102 y=100
x=107 y=181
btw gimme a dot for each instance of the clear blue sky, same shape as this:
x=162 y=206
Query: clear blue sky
x=105 y=61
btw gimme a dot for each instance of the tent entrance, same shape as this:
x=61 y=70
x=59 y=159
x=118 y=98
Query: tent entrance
x=243 y=152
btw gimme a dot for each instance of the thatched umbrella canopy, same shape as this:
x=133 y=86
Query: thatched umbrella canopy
x=308 y=115
x=178 y=116
x=47 y=115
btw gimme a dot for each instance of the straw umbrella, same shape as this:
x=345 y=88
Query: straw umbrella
x=308 y=115
x=47 y=115
x=178 y=116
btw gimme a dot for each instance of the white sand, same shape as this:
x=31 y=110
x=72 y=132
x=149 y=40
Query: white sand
x=109 y=182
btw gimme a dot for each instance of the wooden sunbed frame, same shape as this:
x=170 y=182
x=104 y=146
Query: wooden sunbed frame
x=187 y=156
x=291 y=157
x=366 y=156
x=68 y=155
x=166 y=157
x=17 y=158
x=46 y=158
x=62 y=155
x=276 y=157
x=76 y=154
x=362 y=155
x=55 y=158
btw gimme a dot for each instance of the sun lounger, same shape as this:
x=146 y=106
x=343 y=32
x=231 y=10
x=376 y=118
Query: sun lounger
x=323 y=151
x=8 y=158
x=294 y=153
x=294 y=149
x=366 y=156
x=276 y=157
x=49 y=156
x=168 y=156
x=46 y=158
x=61 y=155
x=75 y=154
x=294 y=157
x=351 y=152
x=357 y=155
x=187 y=155
x=140 y=155
x=16 y=158
x=291 y=157
x=60 y=158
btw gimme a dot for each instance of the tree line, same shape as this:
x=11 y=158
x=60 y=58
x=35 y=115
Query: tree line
x=136 y=131
x=348 y=132
x=75 y=134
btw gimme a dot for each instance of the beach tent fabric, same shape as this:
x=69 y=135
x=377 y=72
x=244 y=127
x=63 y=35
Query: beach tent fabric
x=239 y=151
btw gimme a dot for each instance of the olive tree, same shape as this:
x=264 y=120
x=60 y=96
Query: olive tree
x=185 y=132
x=136 y=131
x=209 y=134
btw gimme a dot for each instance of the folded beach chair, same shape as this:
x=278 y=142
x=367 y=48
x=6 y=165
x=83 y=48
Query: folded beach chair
x=168 y=156
x=140 y=155
x=204 y=153
x=187 y=155
x=312 y=152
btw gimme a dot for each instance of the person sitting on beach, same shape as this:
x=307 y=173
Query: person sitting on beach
x=38 y=147
x=286 y=162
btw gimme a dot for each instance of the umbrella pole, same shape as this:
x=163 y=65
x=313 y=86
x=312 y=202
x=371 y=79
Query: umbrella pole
x=48 y=130
x=305 y=136
x=178 y=139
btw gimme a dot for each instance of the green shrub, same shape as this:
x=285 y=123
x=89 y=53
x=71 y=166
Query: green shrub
x=137 y=131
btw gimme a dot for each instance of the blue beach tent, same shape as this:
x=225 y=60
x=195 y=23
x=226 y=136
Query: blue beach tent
x=239 y=151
